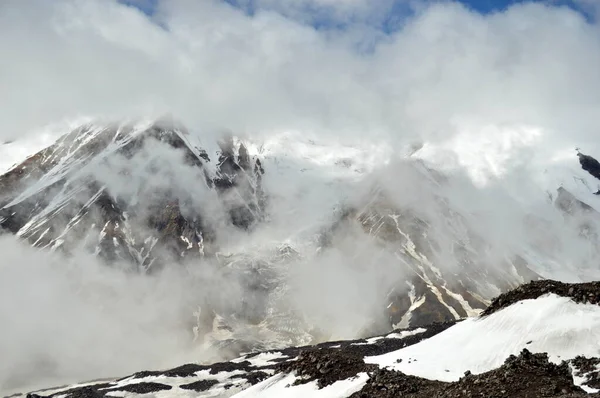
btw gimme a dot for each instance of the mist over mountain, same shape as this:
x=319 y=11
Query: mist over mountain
x=193 y=182
x=156 y=246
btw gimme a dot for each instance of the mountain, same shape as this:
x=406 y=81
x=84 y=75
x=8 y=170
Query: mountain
x=103 y=186
x=138 y=194
x=539 y=340
x=405 y=247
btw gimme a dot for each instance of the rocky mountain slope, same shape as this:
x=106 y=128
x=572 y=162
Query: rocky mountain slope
x=539 y=340
x=103 y=185
x=147 y=196
x=144 y=195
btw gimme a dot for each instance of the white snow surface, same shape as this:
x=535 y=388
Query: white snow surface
x=396 y=335
x=552 y=324
x=281 y=386
x=262 y=359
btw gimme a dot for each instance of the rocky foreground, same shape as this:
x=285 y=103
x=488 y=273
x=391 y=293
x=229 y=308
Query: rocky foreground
x=546 y=328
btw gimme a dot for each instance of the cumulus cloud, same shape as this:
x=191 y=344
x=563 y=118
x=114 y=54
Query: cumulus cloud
x=498 y=97
x=212 y=65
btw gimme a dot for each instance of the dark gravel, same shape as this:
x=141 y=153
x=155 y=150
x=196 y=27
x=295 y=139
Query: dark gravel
x=588 y=368
x=525 y=376
x=326 y=366
x=385 y=383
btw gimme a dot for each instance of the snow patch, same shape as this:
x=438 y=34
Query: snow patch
x=281 y=385
x=551 y=324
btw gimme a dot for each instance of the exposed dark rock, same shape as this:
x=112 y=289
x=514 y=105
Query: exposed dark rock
x=526 y=376
x=385 y=345
x=186 y=370
x=200 y=385
x=385 y=383
x=326 y=366
x=255 y=377
x=141 y=388
x=252 y=374
x=104 y=389
x=91 y=391
x=587 y=368
x=86 y=392
x=578 y=292
x=589 y=164
x=236 y=173
x=431 y=311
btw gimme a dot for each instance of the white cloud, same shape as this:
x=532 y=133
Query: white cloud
x=497 y=94
x=212 y=65
x=66 y=319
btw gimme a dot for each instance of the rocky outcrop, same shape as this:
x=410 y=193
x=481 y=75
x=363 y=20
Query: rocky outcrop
x=523 y=376
x=326 y=366
x=571 y=205
x=390 y=384
x=589 y=164
x=586 y=293
x=588 y=369
x=238 y=181
x=448 y=273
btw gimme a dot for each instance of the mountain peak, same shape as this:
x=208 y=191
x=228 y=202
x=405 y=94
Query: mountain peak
x=91 y=179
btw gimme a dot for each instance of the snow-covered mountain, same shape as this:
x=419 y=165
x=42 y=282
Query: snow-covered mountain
x=322 y=242
x=103 y=185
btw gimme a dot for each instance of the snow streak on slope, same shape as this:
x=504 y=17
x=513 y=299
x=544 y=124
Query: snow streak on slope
x=281 y=386
x=551 y=324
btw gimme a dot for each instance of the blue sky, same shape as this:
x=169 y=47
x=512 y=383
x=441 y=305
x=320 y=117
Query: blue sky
x=481 y=6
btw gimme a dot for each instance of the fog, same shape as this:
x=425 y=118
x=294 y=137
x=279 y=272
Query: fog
x=495 y=103
x=72 y=319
